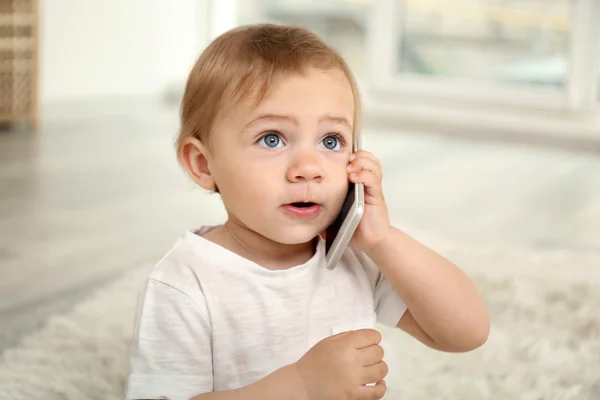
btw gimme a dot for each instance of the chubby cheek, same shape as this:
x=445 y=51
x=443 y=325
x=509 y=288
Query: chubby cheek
x=338 y=187
x=246 y=187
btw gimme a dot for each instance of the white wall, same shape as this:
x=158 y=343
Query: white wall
x=109 y=48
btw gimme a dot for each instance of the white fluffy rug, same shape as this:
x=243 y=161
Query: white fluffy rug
x=545 y=340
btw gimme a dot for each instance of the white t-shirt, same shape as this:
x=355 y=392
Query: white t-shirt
x=209 y=320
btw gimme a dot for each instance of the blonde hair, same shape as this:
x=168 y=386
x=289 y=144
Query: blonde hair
x=244 y=63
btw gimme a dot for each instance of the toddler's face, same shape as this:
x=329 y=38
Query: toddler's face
x=293 y=148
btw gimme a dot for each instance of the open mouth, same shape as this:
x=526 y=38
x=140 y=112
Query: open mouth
x=303 y=204
x=303 y=209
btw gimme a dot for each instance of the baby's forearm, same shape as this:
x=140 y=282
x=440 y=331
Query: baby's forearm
x=283 y=384
x=440 y=297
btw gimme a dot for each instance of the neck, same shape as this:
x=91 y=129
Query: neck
x=262 y=250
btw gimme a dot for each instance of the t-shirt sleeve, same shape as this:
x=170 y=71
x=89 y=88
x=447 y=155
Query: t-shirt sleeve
x=171 y=356
x=389 y=305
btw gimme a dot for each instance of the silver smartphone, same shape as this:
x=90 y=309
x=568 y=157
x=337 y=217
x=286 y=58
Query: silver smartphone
x=339 y=233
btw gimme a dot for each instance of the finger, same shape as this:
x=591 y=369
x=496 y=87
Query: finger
x=364 y=154
x=374 y=373
x=375 y=392
x=362 y=338
x=371 y=355
x=361 y=164
x=372 y=183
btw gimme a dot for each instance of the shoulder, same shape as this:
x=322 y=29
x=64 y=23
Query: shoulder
x=186 y=266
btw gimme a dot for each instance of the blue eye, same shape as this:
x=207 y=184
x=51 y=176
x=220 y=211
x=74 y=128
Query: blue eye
x=331 y=143
x=271 y=140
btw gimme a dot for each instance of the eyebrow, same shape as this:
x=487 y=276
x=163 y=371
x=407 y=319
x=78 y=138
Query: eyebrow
x=289 y=118
x=273 y=118
x=337 y=120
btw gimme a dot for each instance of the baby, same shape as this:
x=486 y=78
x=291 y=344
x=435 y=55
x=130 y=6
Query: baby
x=247 y=309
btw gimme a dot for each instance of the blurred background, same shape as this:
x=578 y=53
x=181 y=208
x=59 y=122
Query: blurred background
x=484 y=114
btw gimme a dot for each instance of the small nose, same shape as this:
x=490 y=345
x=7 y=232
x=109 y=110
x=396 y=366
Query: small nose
x=306 y=167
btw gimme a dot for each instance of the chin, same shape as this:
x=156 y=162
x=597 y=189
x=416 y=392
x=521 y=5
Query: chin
x=296 y=235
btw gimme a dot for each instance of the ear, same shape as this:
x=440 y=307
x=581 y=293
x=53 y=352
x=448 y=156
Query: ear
x=195 y=159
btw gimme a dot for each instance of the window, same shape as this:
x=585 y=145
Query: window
x=508 y=41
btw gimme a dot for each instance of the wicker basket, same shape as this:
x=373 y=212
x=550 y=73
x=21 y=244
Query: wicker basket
x=18 y=61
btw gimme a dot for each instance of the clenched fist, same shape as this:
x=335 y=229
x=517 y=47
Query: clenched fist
x=342 y=366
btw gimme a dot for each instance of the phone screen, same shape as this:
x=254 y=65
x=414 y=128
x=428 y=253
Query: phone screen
x=334 y=228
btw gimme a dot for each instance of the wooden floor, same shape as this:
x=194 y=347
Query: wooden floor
x=98 y=190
